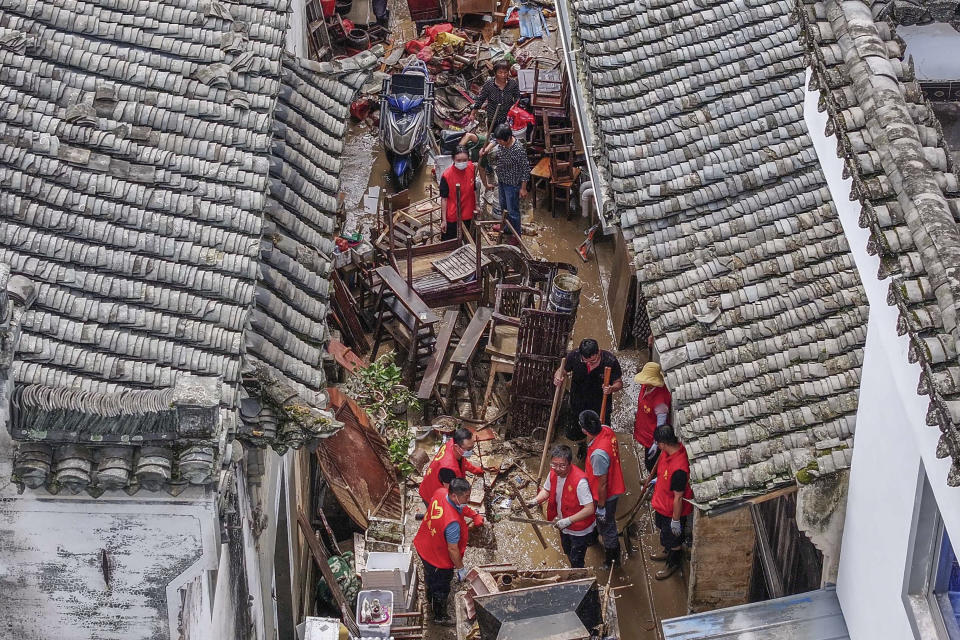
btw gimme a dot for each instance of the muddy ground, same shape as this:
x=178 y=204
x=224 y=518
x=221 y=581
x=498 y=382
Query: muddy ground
x=641 y=601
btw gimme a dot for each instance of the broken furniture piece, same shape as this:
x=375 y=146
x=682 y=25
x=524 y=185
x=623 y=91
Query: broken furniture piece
x=541 y=343
x=459 y=372
x=356 y=464
x=502 y=340
x=428 y=383
x=403 y=316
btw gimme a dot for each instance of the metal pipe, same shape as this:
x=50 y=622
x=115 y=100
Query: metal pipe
x=586 y=196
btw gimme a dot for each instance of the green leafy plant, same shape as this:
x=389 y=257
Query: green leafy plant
x=398 y=455
x=379 y=389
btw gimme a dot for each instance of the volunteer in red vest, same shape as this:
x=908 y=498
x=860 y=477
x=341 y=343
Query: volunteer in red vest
x=452 y=455
x=569 y=505
x=462 y=173
x=441 y=541
x=606 y=481
x=653 y=410
x=671 y=493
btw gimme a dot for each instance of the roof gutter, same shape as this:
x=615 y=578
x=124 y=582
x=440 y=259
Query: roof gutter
x=583 y=111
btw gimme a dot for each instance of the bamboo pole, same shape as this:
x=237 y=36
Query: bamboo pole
x=526 y=510
x=550 y=427
x=606 y=396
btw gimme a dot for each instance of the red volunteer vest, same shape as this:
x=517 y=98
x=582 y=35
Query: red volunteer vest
x=606 y=440
x=446 y=458
x=569 y=504
x=662 y=501
x=430 y=542
x=646 y=421
x=468 y=194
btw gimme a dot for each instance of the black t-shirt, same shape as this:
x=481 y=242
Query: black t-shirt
x=678 y=481
x=586 y=388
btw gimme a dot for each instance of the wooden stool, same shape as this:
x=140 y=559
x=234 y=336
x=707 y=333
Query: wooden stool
x=540 y=176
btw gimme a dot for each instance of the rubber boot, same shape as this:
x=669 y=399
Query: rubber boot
x=674 y=561
x=612 y=558
x=440 y=612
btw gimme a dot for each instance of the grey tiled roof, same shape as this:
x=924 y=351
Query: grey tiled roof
x=910 y=12
x=903 y=177
x=169 y=180
x=753 y=295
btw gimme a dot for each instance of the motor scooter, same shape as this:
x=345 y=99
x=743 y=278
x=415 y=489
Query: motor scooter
x=406 y=118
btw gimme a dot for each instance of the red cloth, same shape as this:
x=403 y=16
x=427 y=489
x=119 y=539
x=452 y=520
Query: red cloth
x=606 y=440
x=518 y=118
x=662 y=501
x=430 y=542
x=414 y=46
x=433 y=31
x=468 y=193
x=569 y=504
x=646 y=421
x=446 y=458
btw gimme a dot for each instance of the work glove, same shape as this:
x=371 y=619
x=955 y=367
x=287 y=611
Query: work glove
x=563 y=523
x=653 y=450
x=675 y=527
x=532 y=504
x=601 y=513
x=477 y=520
x=462 y=574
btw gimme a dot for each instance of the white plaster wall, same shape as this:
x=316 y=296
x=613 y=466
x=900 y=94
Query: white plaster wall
x=891 y=442
x=935 y=49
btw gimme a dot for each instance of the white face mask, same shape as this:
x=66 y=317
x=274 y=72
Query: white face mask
x=460 y=165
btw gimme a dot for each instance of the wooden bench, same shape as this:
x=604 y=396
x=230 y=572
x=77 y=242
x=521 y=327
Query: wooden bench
x=461 y=362
x=429 y=382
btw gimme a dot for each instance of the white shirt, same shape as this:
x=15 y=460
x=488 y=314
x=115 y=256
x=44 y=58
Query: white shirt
x=584 y=495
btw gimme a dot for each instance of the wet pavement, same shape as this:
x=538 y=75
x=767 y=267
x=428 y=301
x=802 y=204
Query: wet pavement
x=641 y=600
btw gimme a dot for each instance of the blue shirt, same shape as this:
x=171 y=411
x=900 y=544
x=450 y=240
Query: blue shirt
x=600 y=462
x=452 y=532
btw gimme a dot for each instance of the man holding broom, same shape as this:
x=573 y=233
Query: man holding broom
x=595 y=376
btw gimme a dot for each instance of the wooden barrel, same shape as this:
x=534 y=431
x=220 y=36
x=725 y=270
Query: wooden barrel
x=565 y=293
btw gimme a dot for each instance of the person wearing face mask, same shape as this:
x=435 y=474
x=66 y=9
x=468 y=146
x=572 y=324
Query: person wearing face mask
x=452 y=455
x=586 y=365
x=441 y=541
x=569 y=504
x=462 y=173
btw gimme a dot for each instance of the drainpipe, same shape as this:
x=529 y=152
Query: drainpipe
x=586 y=197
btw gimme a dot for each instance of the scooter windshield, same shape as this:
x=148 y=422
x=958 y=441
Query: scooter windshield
x=404 y=102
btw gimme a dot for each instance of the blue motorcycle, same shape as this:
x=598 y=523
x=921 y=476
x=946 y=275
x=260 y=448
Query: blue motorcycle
x=406 y=116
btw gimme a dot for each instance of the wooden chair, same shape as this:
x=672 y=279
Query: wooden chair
x=542 y=273
x=404 y=318
x=510 y=265
x=511 y=300
x=563 y=185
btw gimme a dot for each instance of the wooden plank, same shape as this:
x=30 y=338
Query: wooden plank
x=771 y=572
x=407 y=296
x=471 y=336
x=347 y=310
x=440 y=350
x=622 y=291
x=320 y=557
